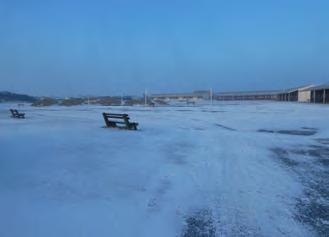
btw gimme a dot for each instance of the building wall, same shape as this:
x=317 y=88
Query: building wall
x=246 y=97
x=304 y=96
x=197 y=95
x=320 y=96
x=283 y=97
x=289 y=96
x=180 y=98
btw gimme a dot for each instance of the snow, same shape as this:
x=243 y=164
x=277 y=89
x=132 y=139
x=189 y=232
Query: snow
x=63 y=174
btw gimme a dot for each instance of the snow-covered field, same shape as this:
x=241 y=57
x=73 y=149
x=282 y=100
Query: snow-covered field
x=231 y=169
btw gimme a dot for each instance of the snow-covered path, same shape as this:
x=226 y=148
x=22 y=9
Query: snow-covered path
x=187 y=171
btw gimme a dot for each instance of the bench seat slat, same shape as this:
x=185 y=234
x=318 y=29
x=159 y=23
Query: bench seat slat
x=118 y=122
x=117 y=116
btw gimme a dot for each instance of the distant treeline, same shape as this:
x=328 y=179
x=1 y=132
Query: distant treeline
x=104 y=100
x=6 y=96
x=96 y=100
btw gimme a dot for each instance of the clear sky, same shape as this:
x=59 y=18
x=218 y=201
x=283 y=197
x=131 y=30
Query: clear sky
x=90 y=47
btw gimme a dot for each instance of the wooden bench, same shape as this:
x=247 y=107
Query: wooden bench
x=16 y=114
x=119 y=121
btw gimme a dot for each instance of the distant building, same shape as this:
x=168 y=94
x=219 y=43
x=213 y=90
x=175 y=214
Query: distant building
x=303 y=94
x=320 y=94
x=300 y=94
x=196 y=95
x=247 y=95
x=307 y=94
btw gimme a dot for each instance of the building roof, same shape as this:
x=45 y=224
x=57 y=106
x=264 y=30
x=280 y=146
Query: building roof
x=195 y=93
x=172 y=95
x=245 y=93
x=320 y=87
x=300 y=88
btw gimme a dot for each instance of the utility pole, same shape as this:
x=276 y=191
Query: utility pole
x=122 y=99
x=211 y=96
x=145 y=97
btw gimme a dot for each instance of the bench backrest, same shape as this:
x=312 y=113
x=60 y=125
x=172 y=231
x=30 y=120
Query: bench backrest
x=111 y=120
x=14 y=111
x=116 y=118
x=16 y=114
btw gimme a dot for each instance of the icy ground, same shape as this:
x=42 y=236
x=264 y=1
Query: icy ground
x=232 y=169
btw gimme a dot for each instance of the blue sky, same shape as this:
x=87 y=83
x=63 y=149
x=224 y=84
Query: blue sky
x=113 y=47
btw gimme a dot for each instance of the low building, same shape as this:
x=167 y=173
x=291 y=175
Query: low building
x=319 y=94
x=299 y=94
x=304 y=96
x=196 y=95
x=247 y=95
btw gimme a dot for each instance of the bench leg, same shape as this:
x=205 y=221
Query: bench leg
x=108 y=123
x=112 y=125
x=132 y=126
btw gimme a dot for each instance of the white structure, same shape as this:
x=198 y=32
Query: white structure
x=196 y=95
x=320 y=94
x=304 y=95
x=300 y=94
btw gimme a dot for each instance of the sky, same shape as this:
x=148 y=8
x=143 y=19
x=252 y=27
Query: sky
x=112 y=47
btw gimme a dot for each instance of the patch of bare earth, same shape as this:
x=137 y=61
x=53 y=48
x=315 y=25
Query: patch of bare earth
x=199 y=224
x=311 y=166
x=302 y=132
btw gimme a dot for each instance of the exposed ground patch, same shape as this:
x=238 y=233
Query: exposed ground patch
x=303 y=132
x=309 y=128
x=313 y=151
x=313 y=209
x=184 y=110
x=199 y=224
x=225 y=127
x=283 y=156
x=311 y=165
x=324 y=141
x=213 y=111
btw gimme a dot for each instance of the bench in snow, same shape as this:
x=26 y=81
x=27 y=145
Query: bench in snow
x=16 y=114
x=119 y=121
